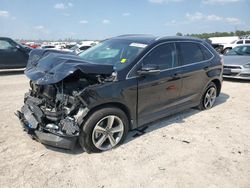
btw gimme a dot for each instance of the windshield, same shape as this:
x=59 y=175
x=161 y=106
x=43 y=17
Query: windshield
x=118 y=53
x=240 y=50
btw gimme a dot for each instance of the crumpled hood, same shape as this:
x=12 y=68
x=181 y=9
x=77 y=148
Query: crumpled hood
x=49 y=66
x=236 y=59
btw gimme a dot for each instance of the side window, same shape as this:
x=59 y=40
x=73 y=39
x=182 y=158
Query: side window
x=190 y=52
x=239 y=42
x=206 y=53
x=247 y=41
x=4 y=45
x=84 y=47
x=163 y=55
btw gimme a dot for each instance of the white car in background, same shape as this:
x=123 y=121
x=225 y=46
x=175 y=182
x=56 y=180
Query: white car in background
x=82 y=46
x=48 y=46
x=79 y=48
x=54 y=47
x=229 y=46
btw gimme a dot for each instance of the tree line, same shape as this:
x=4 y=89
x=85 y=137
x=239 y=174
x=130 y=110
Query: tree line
x=216 y=34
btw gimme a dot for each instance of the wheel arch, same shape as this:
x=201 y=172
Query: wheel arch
x=217 y=83
x=119 y=105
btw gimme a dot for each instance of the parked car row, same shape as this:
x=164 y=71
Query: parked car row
x=77 y=48
x=74 y=47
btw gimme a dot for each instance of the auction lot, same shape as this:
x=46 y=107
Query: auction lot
x=191 y=149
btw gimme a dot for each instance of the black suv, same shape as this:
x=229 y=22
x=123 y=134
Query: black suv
x=12 y=54
x=116 y=86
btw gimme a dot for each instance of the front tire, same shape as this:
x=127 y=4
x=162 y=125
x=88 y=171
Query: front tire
x=104 y=129
x=208 y=98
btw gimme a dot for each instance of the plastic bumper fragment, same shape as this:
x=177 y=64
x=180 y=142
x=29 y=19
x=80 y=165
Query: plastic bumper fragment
x=45 y=137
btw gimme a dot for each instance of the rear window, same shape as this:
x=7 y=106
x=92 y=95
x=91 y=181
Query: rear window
x=240 y=42
x=191 y=52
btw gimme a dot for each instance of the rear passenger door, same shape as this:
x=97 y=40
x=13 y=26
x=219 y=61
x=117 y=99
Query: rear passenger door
x=195 y=61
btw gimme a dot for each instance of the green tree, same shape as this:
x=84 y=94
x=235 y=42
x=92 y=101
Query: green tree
x=179 y=34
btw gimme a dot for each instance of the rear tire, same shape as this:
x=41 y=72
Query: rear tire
x=104 y=129
x=208 y=98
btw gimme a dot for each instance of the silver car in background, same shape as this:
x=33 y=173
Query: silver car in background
x=237 y=63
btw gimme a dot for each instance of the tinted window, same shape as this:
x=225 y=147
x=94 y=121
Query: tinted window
x=84 y=47
x=240 y=42
x=247 y=41
x=190 y=52
x=240 y=50
x=4 y=45
x=163 y=55
x=206 y=53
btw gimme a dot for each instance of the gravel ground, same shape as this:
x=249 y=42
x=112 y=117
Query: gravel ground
x=191 y=149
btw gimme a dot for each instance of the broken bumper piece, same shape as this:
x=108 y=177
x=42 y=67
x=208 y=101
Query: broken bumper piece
x=47 y=138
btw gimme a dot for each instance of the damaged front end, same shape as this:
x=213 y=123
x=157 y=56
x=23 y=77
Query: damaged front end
x=54 y=109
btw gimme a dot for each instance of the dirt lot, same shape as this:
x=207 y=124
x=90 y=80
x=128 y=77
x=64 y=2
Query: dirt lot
x=190 y=149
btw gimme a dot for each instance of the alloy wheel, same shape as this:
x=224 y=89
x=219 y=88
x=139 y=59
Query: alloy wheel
x=107 y=132
x=210 y=97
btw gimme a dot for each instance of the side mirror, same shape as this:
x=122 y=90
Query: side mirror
x=149 y=69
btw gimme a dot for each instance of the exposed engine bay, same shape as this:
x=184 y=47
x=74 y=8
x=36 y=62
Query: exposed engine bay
x=53 y=113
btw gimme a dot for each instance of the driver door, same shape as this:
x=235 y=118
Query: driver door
x=158 y=94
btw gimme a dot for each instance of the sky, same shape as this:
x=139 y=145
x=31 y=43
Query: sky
x=99 y=19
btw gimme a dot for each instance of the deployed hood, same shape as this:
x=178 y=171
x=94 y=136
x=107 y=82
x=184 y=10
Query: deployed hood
x=236 y=59
x=49 y=66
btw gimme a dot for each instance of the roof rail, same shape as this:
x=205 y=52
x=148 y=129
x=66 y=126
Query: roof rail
x=131 y=35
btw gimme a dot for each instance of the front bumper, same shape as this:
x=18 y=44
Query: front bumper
x=65 y=142
x=236 y=71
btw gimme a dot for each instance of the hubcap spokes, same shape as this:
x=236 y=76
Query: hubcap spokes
x=107 y=132
x=210 y=98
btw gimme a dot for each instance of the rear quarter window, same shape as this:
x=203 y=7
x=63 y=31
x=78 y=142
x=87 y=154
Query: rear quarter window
x=206 y=53
x=191 y=52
